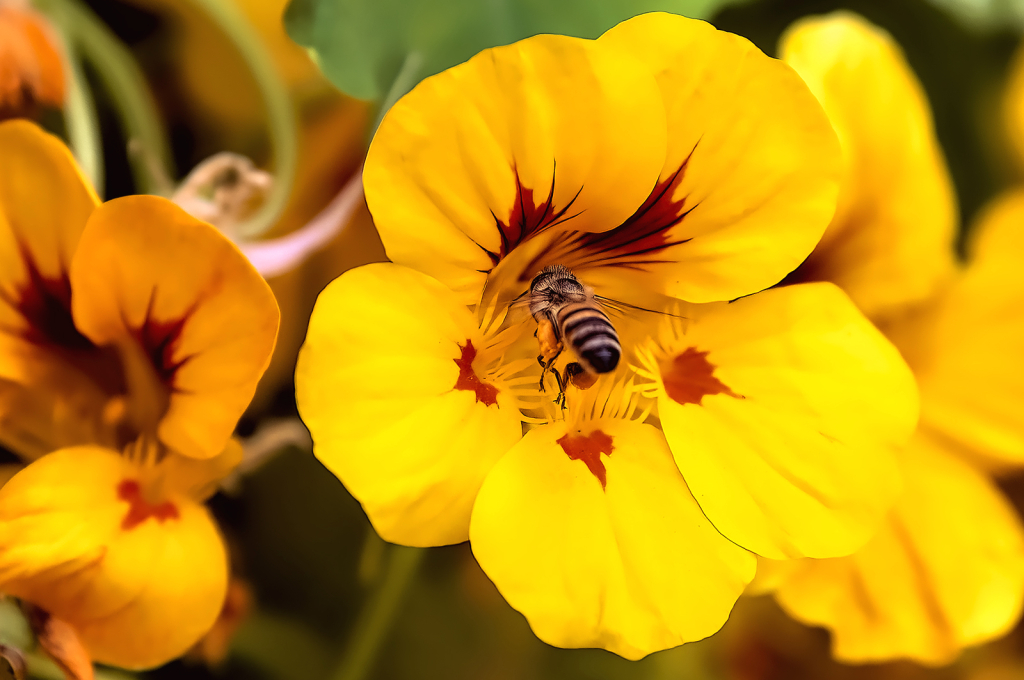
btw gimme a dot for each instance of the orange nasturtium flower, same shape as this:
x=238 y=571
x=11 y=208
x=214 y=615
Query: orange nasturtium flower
x=32 y=70
x=665 y=159
x=946 y=570
x=131 y=339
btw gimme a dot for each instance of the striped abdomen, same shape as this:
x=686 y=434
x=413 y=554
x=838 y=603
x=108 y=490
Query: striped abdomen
x=591 y=335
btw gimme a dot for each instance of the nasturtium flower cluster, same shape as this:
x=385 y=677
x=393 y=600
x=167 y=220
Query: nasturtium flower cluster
x=946 y=568
x=132 y=337
x=674 y=168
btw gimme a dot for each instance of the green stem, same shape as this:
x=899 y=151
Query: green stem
x=124 y=83
x=280 y=116
x=82 y=126
x=374 y=622
x=405 y=80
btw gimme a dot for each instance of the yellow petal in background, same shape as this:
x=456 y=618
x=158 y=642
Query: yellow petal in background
x=892 y=240
x=393 y=384
x=550 y=132
x=630 y=565
x=148 y=275
x=140 y=579
x=965 y=348
x=783 y=411
x=751 y=176
x=946 y=571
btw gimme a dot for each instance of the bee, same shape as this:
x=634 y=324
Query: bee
x=567 y=312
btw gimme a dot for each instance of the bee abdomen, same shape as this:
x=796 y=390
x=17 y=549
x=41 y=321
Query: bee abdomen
x=592 y=336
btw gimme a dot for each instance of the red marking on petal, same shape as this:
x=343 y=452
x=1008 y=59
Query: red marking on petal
x=468 y=379
x=528 y=217
x=691 y=377
x=45 y=303
x=647 y=231
x=159 y=339
x=589 y=448
x=139 y=509
x=634 y=243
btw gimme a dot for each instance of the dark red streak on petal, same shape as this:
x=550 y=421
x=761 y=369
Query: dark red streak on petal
x=45 y=303
x=588 y=448
x=636 y=242
x=528 y=217
x=691 y=377
x=160 y=338
x=139 y=509
x=646 y=232
x=468 y=379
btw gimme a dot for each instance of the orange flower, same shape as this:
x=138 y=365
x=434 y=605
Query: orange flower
x=132 y=337
x=31 y=63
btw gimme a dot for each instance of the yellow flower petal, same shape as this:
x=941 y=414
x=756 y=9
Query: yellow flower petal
x=48 y=396
x=149 y=275
x=965 y=348
x=892 y=240
x=394 y=384
x=549 y=132
x=139 y=580
x=782 y=411
x=603 y=545
x=753 y=166
x=946 y=570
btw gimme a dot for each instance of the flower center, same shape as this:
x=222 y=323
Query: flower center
x=140 y=509
x=690 y=377
x=588 y=448
x=468 y=379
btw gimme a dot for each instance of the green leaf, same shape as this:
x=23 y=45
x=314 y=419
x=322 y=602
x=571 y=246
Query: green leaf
x=986 y=14
x=362 y=44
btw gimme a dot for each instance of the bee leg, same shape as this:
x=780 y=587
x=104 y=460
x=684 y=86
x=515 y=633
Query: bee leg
x=562 y=383
x=546 y=365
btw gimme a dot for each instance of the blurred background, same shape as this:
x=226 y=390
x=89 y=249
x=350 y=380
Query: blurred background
x=307 y=562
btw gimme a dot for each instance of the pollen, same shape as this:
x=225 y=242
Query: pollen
x=469 y=380
x=691 y=377
x=588 y=448
x=139 y=509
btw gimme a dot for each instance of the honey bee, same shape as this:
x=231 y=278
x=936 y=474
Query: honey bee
x=567 y=312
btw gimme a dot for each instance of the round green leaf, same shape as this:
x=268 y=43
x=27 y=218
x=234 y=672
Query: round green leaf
x=362 y=45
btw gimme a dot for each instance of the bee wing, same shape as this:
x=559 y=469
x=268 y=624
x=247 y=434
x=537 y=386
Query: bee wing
x=670 y=307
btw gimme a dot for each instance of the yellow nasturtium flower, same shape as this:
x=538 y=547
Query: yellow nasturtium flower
x=946 y=570
x=132 y=337
x=891 y=241
x=665 y=161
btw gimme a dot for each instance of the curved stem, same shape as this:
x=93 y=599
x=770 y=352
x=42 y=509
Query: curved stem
x=281 y=117
x=123 y=82
x=408 y=76
x=81 y=124
x=374 y=622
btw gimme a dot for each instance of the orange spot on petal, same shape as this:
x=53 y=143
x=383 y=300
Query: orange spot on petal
x=588 y=448
x=139 y=509
x=468 y=379
x=691 y=377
